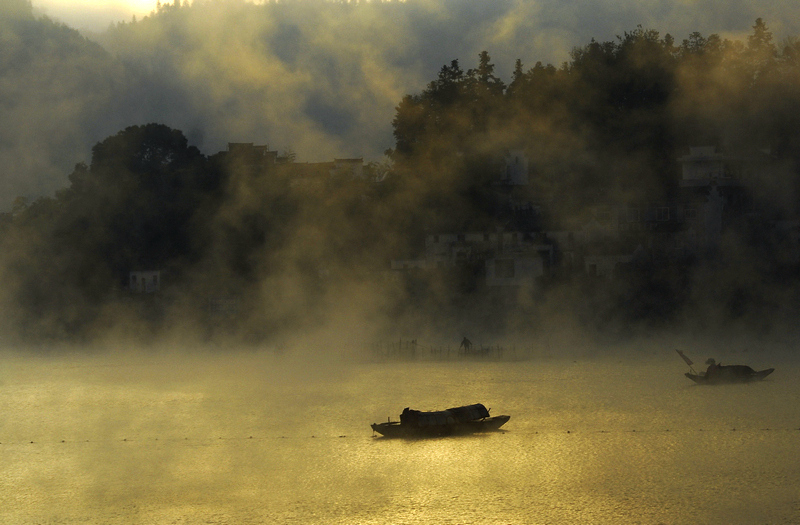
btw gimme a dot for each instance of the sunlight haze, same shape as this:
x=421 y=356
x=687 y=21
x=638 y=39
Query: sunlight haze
x=94 y=15
x=399 y=261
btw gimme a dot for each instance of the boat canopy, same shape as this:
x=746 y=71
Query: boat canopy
x=451 y=416
x=469 y=412
x=430 y=419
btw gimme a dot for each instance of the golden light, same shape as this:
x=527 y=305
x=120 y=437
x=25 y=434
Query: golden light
x=94 y=14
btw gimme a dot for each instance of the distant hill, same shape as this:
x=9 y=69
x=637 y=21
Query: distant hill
x=321 y=78
x=57 y=95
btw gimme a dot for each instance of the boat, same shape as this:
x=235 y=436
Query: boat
x=466 y=419
x=718 y=374
x=730 y=374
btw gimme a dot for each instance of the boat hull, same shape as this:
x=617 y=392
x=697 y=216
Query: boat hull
x=397 y=429
x=731 y=374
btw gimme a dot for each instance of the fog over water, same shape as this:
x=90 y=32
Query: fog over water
x=299 y=303
x=600 y=435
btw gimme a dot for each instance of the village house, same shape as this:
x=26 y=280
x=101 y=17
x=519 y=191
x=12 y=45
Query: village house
x=509 y=258
x=258 y=158
x=315 y=175
x=515 y=172
x=615 y=235
x=712 y=194
x=222 y=307
x=144 y=281
x=349 y=168
x=306 y=175
x=606 y=265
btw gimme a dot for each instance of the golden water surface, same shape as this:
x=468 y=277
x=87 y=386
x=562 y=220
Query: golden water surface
x=250 y=437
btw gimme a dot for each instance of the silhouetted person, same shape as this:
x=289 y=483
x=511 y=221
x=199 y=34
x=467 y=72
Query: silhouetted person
x=713 y=368
x=466 y=344
x=409 y=417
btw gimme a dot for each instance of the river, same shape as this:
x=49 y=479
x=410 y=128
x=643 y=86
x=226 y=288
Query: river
x=218 y=437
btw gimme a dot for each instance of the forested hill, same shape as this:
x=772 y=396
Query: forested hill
x=611 y=123
x=57 y=97
x=606 y=126
x=321 y=77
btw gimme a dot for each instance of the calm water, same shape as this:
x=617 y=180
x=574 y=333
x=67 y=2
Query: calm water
x=251 y=438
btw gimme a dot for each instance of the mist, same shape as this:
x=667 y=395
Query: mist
x=315 y=81
x=250 y=436
x=321 y=79
x=234 y=234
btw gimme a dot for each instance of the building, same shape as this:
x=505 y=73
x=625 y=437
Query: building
x=515 y=172
x=250 y=155
x=712 y=195
x=509 y=258
x=607 y=264
x=352 y=168
x=144 y=281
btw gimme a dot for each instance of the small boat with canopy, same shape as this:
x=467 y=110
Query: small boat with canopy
x=458 y=420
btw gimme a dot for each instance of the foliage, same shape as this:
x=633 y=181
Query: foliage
x=133 y=208
x=610 y=122
x=607 y=125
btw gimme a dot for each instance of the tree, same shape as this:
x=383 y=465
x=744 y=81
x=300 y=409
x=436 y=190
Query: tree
x=760 y=54
x=483 y=80
x=144 y=202
x=517 y=78
x=484 y=95
x=446 y=89
x=134 y=206
x=760 y=42
x=144 y=150
x=19 y=206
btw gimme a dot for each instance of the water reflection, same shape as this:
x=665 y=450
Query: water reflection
x=251 y=438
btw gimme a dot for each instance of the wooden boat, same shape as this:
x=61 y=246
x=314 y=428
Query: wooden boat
x=730 y=374
x=458 y=420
